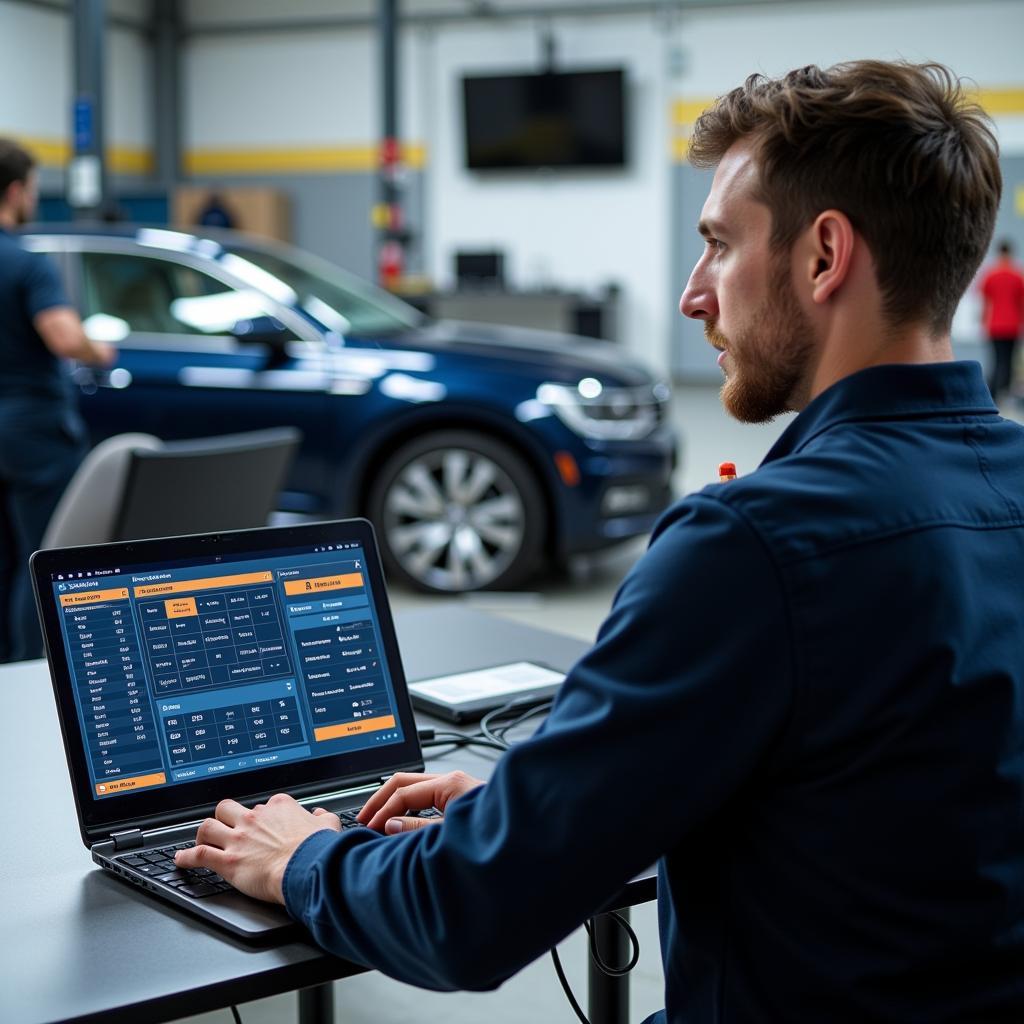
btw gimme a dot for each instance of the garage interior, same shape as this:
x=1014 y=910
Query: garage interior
x=340 y=128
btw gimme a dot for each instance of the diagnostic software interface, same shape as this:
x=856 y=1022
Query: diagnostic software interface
x=194 y=670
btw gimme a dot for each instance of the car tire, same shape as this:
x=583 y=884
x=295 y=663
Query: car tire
x=457 y=511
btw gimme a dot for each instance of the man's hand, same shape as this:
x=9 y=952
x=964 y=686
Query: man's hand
x=251 y=848
x=102 y=354
x=406 y=792
x=63 y=334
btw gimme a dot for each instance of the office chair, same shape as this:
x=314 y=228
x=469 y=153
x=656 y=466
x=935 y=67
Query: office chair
x=133 y=486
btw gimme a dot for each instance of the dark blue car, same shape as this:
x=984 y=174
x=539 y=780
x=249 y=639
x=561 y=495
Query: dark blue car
x=475 y=450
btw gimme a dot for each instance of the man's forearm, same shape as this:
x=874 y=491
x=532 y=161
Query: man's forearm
x=62 y=333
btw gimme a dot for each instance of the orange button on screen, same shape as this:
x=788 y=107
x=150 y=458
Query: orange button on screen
x=335 y=732
x=93 y=597
x=137 y=782
x=320 y=583
x=210 y=583
x=180 y=607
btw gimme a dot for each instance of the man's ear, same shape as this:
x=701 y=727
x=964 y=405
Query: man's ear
x=11 y=196
x=830 y=243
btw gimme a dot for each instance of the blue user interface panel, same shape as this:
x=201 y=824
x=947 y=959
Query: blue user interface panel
x=185 y=672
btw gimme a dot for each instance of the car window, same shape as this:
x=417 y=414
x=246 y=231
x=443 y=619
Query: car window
x=338 y=300
x=155 y=296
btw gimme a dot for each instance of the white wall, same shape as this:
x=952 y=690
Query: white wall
x=35 y=60
x=981 y=40
x=571 y=229
x=297 y=89
x=36 y=80
x=308 y=89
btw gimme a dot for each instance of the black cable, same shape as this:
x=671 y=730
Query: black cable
x=540 y=709
x=493 y=734
x=485 y=727
x=496 y=734
x=235 y=1014
x=602 y=965
x=566 y=989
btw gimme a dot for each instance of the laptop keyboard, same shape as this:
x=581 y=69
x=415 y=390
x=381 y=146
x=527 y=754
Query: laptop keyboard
x=159 y=864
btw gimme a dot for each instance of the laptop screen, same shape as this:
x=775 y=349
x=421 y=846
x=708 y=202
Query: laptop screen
x=208 y=666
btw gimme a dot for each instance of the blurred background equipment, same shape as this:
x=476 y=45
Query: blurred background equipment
x=484 y=271
x=553 y=119
x=253 y=209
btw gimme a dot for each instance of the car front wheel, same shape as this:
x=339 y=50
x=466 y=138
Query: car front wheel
x=457 y=511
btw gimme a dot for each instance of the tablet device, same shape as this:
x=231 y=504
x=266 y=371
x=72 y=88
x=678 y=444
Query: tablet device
x=468 y=696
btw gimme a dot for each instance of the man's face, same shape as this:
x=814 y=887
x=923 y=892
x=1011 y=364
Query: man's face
x=743 y=292
x=21 y=199
x=27 y=199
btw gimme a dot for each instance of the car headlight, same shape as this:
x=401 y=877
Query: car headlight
x=606 y=413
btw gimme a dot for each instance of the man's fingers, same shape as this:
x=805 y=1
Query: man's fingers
x=416 y=797
x=378 y=799
x=230 y=812
x=322 y=812
x=203 y=857
x=395 y=825
x=213 y=833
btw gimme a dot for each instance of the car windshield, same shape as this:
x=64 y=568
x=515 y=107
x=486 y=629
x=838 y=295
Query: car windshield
x=338 y=300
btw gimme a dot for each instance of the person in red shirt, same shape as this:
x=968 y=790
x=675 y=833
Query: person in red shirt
x=1002 y=288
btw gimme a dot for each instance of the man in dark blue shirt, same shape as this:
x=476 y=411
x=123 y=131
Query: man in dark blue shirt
x=807 y=703
x=42 y=439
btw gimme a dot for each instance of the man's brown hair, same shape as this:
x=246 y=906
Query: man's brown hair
x=16 y=164
x=897 y=147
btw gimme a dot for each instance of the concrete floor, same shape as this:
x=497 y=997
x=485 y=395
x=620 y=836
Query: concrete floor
x=573 y=603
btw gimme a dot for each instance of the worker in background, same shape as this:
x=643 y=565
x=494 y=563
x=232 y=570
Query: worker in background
x=42 y=438
x=807 y=702
x=1002 y=290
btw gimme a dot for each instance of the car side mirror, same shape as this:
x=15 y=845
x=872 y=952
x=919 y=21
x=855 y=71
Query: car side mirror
x=261 y=330
x=268 y=332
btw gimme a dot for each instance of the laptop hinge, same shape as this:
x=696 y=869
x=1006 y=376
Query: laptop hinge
x=129 y=839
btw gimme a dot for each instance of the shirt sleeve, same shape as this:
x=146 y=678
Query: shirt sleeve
x=42 y=287
x=686 y=691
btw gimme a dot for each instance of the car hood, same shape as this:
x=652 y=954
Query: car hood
x=552 y=355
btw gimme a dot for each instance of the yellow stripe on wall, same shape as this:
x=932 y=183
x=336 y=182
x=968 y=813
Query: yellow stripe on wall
x=137 y=160
x=52 y=152
x=309 y=160
x=687 y=111
x=127 y=160
x=996 y=103
x=1001 y=101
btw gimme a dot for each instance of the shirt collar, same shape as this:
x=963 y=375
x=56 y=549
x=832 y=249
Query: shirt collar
x=898 y=391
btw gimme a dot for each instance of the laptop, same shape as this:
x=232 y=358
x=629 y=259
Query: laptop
x=191 y=669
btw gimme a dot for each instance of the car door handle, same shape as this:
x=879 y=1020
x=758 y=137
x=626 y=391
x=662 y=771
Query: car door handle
x=91 y=378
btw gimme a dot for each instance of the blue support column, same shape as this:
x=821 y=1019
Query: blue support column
x=86 y=182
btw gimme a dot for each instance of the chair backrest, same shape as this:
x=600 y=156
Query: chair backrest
x=135 y=485
x=87 y=512
x=207 y=485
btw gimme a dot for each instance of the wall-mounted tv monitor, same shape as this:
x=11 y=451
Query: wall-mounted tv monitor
x=554 y=119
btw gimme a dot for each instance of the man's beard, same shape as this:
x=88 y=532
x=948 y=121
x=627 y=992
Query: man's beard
x=769 y=358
